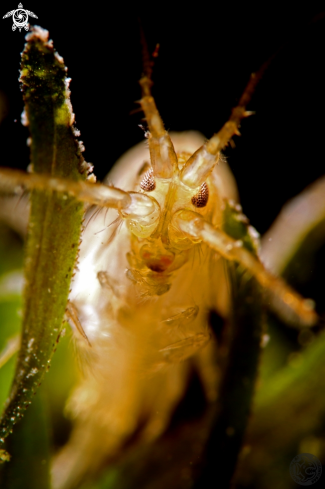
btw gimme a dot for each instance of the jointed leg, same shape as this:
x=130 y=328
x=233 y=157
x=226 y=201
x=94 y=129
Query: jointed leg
x=96 y=194
x=72 y=316
x=288 y=302
x=131 y=205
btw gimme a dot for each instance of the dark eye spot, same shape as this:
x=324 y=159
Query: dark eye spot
x=202 y=197
x=148 y=183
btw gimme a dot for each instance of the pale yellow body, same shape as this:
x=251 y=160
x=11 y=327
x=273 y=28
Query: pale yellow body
x=136 y=369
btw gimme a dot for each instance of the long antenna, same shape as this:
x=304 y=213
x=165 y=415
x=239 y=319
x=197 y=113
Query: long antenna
x=162 y=152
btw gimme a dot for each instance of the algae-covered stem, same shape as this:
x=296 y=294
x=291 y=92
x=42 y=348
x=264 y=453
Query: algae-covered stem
x=55 y=218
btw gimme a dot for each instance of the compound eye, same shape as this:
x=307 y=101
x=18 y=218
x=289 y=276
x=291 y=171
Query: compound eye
x=148 y=183
x=202 y=197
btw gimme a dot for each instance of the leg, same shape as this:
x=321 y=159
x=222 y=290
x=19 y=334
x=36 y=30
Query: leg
x=182 y=349
x=183 y=318
x=108 y=283
x=130 y=205
x=286 y=301
x=96 y=194
x=72 y=316
x=180 y=325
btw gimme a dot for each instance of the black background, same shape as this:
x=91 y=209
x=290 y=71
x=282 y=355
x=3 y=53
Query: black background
x=206 y=56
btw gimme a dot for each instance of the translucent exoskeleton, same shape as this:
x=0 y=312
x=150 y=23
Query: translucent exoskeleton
x=150 y=270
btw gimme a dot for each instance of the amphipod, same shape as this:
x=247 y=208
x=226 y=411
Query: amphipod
x=142 y=295
x=149 y=273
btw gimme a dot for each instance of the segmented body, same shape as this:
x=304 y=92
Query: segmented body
x=141 y=323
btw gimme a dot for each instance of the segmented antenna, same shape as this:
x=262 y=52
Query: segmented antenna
x=147 y=65
x=199 y=166
x=162 y=152
x=219 y=140
x=155 y=123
